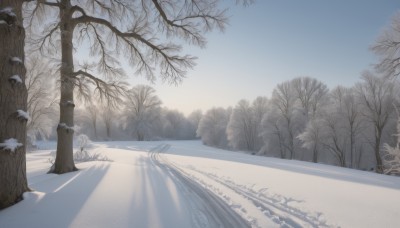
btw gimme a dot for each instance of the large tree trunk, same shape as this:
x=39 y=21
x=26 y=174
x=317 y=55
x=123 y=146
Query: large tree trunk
x=64 y=160
x=13 y=97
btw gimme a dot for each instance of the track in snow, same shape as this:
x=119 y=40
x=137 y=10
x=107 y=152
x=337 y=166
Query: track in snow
x=208 y=210
x=275 y=208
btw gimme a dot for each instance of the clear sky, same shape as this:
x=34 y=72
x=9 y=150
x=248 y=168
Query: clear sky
x=273 y=41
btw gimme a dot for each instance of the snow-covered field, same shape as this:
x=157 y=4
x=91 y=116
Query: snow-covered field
x=185 y=184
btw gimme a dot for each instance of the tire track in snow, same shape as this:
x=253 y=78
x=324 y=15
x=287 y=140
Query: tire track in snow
x=275 y=207
x=208 y=210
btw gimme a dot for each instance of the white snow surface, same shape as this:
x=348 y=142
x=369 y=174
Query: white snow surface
x=10 y=145
x=23 y=114
x=148 y=185
x=16 y=78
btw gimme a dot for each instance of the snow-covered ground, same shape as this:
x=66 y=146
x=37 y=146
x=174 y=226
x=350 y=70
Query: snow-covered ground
x=186 y=184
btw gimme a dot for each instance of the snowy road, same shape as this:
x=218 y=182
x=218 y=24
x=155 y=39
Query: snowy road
x=207 y=209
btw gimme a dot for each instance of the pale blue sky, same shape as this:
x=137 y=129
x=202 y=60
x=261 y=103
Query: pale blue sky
x=273 y=41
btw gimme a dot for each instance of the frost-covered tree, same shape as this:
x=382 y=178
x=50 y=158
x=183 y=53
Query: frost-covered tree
x=310 y=94
x=13 y=104
x=243 y=128
x=378 y=97
x=391 y=157
x=312 y=138
x=387 y=48
x=283 y=119
x=142 y=110
x=176 y=125
x=42 y=104
x=349 y=108
x=212 y=127
x=144 y=32
x=194 y=118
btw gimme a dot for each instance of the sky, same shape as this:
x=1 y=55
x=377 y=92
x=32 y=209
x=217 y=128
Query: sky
x=272 y=41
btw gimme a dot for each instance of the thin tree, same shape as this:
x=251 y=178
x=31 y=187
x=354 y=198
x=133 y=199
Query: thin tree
x=107 y=116
x=142 y=108
x=284 y=101
x=42 y=104
x=92 y=114
x=132 y=28
x=377 y=95
x=13 y=105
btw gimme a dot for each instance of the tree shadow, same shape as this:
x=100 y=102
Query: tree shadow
x=55 y=202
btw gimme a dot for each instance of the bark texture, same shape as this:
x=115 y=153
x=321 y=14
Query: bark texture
x=13 y=97
x=65 y=132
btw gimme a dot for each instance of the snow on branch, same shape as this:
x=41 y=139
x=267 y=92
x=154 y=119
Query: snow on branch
x=8 y=11
x=15 y=60
x=23 y=115
x=66 y=127
x=10 y=144
x=7 y=16
x=15 y=79
x=68 y=103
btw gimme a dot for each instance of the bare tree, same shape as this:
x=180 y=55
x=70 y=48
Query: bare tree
x=387 y=48
x=310 y=94
x=132 y=28
x=107 y=116
x=142 y=109
x=41 y=100
x=349 y=108
x=92 y=114
x=283 y=102
x=377 y=95
x=13 y=106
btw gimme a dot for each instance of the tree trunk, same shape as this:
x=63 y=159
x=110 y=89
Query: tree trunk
x=13 y=97
x=379 y=165
x=315 y=154
x=65 y=132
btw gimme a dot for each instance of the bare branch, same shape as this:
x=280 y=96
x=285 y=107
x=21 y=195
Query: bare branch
x=108 y=91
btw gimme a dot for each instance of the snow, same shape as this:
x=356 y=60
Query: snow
x=65 y=126
x=9 y=11
x=152 y=184
x=16 y=78
x=10 y=144
x=23 y=114
x=3 y=22
x=16 y=60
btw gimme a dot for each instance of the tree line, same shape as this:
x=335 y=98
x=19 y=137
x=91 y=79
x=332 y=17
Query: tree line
x=303 y=120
